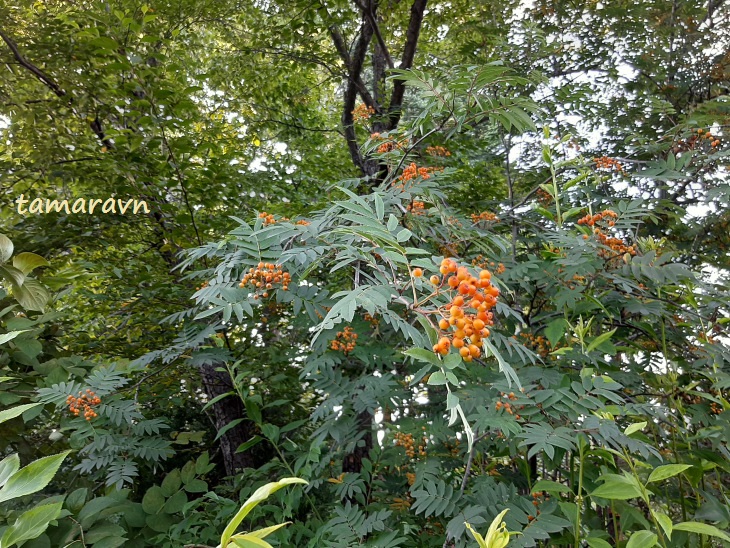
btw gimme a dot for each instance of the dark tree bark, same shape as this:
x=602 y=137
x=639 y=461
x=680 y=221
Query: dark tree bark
x=228 y=409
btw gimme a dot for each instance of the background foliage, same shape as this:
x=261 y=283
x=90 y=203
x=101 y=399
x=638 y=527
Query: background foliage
x=575 y=151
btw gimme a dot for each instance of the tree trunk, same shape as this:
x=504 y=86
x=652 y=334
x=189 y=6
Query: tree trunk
x=215 y=383
x=353 y=461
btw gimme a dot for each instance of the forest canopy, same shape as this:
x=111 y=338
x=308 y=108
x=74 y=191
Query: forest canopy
x=387 y=273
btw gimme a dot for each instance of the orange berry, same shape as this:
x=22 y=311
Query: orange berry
x=464 y=352
x=417 y=272
x=435 y=280
x=478 y=324
x=458 y=342
x=443 y=324
x=474 y=351
x=458 y=301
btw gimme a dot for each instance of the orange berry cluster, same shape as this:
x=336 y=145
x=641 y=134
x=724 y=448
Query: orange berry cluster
x=416 y=208
x=303 y=222
x=269 y=218
x=344 y=341
x=598 y=217
x=412 y=172
x=604 y=162
x=264 y=276
x=449 y=249
x=544 y=197
x=84 y=402
x=539 y=344
x=468 y=312
x=437 y=151
x=707 y=136
x=699 y=138
x=616 y=245
x=507 y=406
x=362 y=112
x=411 y=477
x=408 y=443
x=716 y=408
x=372 y=319
x=201 y=286
x=481 y=262
x=484 y=216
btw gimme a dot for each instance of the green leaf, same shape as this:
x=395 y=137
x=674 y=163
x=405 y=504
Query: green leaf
x=667 y=471
x=423 y=355
x=153 y=500
x=32 y=478
x=555 y=331
x=595 y=542
x=665 y=522
x=550 y=487
x=266 y=531
x=261 y=494
x=171 y=483
x=6 y=248
x=247 y=541
x=635 y=428
x=13 y=275
x=8 y=466
x=642 y=539
x=31 y=524
x=616 y=488
x=403 y=235
x=701 y=529
x=32 y=295
x=196 y=486
x=598 y=341
x=27 y=262
x=13 y=412
x=6 y=337
x=379 y=207
x=437 y=378
x=392 y=222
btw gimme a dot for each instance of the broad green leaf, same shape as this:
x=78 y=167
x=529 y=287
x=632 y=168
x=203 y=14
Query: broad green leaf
x=423 y=355
x=642 y=539
x=437 y=378
x=31 y=524
x=266 y=531
x=8 y=466
x=379 y=207
x=555 y=331
x=667 y=471
x=635 y=427
x=247 y=541
x=392 y=222
x=27 y=262
x=153 y=500
x=261 y=494
x=32 y=478
x=6 y=248
x=12 y=274
x=616 y=488
x=16 y=411
x=665 y=522
x=701 y=529
x=598 y=341
x=32 y=295
x=6 y=337
x=595 y=542
x=550 y=487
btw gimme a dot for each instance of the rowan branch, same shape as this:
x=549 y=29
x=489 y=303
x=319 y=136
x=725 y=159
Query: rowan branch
x=42 y=76
x=409 y=52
